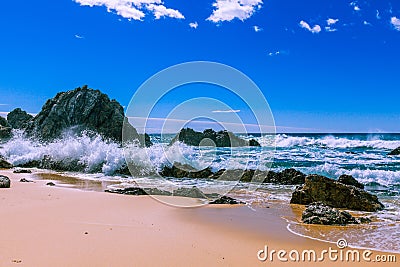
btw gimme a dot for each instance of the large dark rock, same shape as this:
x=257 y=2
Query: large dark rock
x=332 y=193
x=4 y=182
x=179 y=170
x=319 y=213
x=219 y=139
x=5 y=164
x=394 y=152
x=80 y=110
x=18 y=118
x=350 y=180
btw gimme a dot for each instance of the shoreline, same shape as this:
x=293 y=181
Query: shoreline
x=127 y=230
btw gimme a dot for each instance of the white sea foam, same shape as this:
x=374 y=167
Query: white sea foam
x=284 y=141
x=97 y=154
x=383 y=177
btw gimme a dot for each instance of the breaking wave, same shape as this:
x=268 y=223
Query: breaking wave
x=330 y=141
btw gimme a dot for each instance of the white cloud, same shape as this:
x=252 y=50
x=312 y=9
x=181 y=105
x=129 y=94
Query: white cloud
x=226 y=111
x=77 y=36
x=367 y=23
x=355 y=6
x=227 y=10
x=330 y=29
x=305 y=25
x=257 y=29
x=378 y=16
x=161 y=11
x=193 y=25
x=277 y=53
x=395 y=22
x=331 y=21
x=134 y=9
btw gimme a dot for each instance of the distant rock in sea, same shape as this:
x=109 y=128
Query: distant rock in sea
x=18 y=118
x=220 y=139
x=78 y=110
x=395 y=152
x=318 y=188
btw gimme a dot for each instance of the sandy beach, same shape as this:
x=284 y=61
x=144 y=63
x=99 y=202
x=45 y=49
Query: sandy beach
x=56 y=226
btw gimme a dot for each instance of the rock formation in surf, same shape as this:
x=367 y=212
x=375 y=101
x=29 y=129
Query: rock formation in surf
x=210 y=137
x=335 y=194
x=394 y=152
x=287 y=177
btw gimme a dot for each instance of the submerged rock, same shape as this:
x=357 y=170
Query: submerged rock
x=226 y=200
x=350 y=180
x=4 y=182
x=193 y=192
x=137 y=191
x=22 y=171
x=81 y=110
x=210 y=137
x=335 y=194
x=319 y=213
x=24 y=180
x=18 y=118
x=183 y=192
x=394 y=152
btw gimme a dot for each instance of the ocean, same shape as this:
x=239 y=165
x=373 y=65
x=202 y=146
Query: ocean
x=364 y=156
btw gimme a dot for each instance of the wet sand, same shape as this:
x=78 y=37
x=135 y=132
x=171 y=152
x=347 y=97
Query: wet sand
x=61 y=226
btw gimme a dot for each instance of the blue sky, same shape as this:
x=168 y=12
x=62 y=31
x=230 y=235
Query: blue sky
x=323 y=66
